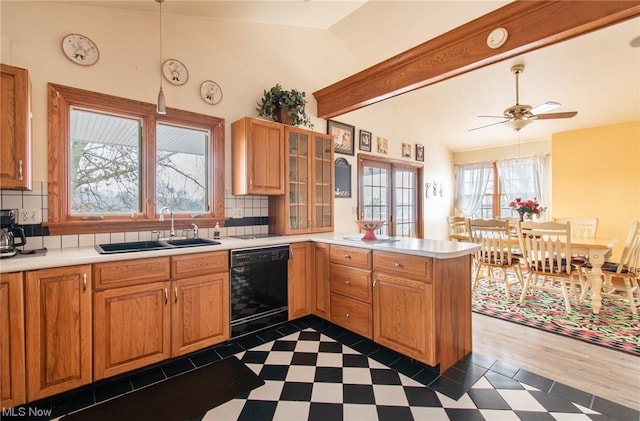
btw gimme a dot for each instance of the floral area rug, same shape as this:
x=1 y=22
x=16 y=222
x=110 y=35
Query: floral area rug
x=614 y=327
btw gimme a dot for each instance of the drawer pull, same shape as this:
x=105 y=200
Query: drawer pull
x=347 y=315
x=347 y=282
x=346 y=256
x=397 y=265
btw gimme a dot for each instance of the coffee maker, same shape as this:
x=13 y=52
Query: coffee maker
x=11 y=235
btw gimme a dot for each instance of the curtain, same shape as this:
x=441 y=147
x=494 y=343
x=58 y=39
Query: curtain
x=523 y=177
x=471 y=185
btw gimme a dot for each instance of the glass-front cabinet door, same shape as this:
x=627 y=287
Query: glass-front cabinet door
x=322 y=182
x=298 y=166
x=307 y=205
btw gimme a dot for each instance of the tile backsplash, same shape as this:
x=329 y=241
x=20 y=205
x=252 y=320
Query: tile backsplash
x=254 y=208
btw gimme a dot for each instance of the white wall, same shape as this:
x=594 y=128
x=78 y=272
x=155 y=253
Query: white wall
x=243 y=58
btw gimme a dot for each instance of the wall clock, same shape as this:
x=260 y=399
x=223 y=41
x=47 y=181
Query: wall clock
x=175 y=72
x=211 y=92
x=80 y=49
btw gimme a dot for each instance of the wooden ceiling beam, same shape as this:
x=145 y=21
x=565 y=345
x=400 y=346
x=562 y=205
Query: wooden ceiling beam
x=530 y=25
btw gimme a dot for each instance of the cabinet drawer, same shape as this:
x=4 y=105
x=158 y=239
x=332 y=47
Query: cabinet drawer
x=199 y=264
x=352 y=314
x=130 y=272
x=350 y=256
x=403 y=265
x=354 y=283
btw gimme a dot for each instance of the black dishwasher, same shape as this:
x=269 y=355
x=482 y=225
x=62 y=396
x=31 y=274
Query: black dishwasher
x=259 y=288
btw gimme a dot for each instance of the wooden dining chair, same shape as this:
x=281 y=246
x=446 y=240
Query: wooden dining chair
x=627 y=270
x=495 y=258
x=581 y=227
x=458 y=225
x=546 y=249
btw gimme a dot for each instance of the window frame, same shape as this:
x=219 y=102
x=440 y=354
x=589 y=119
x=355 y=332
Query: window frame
x=61 y=221
x=392 y=165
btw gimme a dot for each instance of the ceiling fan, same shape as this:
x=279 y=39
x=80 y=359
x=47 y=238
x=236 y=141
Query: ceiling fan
x=518 y=116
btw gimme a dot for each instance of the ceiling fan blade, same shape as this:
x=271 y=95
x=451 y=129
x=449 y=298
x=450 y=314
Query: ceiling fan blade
x=543 y=108
x=494 y=116
x=488 y=125
x=550 y=116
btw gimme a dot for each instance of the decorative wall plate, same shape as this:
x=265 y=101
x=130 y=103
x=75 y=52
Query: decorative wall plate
x=211 y=92
x=80 y=49
x=175 y=72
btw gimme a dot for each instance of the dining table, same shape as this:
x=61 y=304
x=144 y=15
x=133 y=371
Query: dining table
x=596 y=250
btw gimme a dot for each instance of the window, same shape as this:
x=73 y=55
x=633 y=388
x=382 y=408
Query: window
x=484 y=190
x=390 y=191
x=119 y=163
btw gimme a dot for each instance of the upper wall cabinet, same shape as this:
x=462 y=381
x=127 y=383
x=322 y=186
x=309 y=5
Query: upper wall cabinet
x=15 y=129
x=258 y=155
x=307 y=205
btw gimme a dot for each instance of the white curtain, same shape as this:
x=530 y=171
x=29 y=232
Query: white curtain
x=523 y=177
x=471 y=185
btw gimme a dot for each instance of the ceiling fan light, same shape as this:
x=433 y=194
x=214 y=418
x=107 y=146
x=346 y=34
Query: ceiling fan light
x=544 y=108
x=517 y=125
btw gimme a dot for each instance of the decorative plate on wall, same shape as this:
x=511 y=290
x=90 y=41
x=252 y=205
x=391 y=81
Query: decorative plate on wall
x=80 y=49
x=175 y=72
x=211 y=92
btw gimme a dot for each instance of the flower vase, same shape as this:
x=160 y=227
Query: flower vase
x=521 y=217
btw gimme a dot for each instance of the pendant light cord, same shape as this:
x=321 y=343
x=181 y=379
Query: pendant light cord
x=161 y=107
x=160 y=1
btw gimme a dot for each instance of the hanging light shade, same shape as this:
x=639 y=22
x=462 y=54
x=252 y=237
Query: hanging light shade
x=161 y=105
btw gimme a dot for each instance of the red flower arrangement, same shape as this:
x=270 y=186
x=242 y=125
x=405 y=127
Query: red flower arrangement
x=527 y=208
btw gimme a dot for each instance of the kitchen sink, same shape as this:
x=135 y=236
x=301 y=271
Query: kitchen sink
x=191 y=242
x=153 y=245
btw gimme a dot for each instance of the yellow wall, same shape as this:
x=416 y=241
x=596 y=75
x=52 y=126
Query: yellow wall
x=596 y=173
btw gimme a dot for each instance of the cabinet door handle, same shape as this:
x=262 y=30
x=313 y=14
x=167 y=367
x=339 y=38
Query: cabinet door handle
x=374 y=282
x=166 y=296
x=347 y=282
x=397 y=265
x=84 y=283
x=250 y=182
x=175 y=293
x=20 y=171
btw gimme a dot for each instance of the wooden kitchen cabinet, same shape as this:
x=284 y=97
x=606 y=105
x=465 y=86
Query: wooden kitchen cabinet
x=15 y=128
x=422 y=307
x=178 y=305
x=200 y=303
x=58 y=330
x=300 y=280
x=307 y=203
x=320 y=305
x=350 y=287
x=257 y=148
x=130 y=328
x=12 y=339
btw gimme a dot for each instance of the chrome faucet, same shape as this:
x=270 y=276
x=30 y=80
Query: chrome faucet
x=165 y=209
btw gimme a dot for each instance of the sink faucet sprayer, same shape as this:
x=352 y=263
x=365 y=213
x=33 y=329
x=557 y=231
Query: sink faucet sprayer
x=165 y=209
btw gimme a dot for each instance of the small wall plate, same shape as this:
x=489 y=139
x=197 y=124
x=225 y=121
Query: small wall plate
x=211 y=92
x=497 y=38
x=80 y=49
x=175 y=72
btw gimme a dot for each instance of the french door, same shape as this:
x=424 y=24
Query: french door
x=390 y=191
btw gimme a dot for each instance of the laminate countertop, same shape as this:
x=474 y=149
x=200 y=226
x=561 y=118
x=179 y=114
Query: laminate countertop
x=437 y=249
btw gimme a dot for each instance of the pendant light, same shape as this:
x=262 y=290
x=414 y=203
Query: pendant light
x=161 y=107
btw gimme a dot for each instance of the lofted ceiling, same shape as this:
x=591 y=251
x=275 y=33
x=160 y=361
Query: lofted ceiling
x=597 y=74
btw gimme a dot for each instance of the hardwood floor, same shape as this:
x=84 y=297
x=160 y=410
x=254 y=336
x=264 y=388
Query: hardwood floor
x=607 y=373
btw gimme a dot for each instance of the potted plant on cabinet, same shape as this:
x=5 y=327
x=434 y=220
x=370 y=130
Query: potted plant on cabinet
x=286 y=107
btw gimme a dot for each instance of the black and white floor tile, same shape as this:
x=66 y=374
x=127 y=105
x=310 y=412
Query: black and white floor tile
x=315 y=370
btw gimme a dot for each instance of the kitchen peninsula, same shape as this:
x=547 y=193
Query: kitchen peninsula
x=410 y=295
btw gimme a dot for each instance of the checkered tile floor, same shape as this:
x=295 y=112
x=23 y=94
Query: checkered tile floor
x=310 y=376
x=315 y=370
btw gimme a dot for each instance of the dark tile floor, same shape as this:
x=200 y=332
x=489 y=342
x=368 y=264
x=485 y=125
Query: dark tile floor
x=316 y=370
